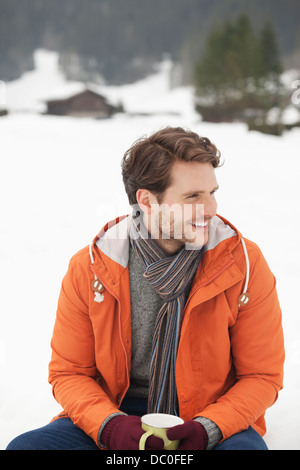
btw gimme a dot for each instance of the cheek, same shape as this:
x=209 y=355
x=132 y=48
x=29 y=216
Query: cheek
x=172 y=220
x=192 y=212
x=214 y=205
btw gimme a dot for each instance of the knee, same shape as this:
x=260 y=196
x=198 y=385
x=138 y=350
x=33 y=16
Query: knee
x=21 y=442
x=244 y=440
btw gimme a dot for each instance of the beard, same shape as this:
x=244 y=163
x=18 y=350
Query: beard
x=177 y=226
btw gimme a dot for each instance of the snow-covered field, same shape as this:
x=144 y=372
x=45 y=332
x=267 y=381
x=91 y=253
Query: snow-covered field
x=60 y=181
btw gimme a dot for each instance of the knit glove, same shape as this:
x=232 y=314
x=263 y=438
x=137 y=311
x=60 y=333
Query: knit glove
x=124 y=432
x=192 y=435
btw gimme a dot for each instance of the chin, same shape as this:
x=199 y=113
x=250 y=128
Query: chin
x=195 y=242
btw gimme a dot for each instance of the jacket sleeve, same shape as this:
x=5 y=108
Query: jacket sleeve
x=72 y=369
x=257 y=353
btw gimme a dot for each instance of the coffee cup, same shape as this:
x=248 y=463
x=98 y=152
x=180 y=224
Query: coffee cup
x=157 y=424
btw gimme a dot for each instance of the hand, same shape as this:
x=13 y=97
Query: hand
x=192 y=435
x=124 y=432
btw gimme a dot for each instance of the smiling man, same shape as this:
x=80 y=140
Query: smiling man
x=169 y=310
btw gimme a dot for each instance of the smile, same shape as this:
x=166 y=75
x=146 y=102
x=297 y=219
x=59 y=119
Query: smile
x=200 y=224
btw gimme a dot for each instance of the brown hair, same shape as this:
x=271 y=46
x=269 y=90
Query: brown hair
x=148 y=162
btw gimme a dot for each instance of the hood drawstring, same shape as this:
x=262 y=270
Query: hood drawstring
x=243 y=299
x=245 y=296
x=96 y=285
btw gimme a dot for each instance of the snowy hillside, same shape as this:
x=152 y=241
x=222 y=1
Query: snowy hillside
x=60 y=182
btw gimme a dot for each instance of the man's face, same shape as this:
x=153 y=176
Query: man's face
x=183 y=215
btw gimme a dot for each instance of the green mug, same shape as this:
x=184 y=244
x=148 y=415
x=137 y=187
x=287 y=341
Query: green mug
x=157 y=424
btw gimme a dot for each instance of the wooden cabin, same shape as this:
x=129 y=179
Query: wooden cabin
x=86 y=103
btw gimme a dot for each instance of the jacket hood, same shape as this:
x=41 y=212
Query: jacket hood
x=113 y=239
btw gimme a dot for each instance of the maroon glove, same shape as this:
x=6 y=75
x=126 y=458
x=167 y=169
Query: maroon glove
x=124 y=433
x=192 y=435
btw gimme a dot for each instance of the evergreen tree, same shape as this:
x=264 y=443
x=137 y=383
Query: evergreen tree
x=271 y=63
x=231 y=79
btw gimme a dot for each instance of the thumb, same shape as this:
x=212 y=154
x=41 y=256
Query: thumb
x=177 y=432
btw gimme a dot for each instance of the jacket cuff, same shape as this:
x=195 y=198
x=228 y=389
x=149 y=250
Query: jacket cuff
x=213 y=431
x=104 y=424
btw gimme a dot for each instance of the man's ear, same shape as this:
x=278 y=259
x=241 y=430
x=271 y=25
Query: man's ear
x=145 y=199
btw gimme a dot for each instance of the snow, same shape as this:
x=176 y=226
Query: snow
x=60 y=181
x=291 y=115
x=27 y=94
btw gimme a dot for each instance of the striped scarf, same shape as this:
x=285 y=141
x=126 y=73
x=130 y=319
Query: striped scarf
x=171 y=277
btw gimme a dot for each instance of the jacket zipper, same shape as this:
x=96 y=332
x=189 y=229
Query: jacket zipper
x=202 y=285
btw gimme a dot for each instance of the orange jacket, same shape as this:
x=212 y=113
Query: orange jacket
x=230 y=359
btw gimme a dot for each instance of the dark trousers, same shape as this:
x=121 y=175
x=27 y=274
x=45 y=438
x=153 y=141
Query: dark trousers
x=62 y=434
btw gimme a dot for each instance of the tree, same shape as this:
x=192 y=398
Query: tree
x=231 y=78
x=271 y=63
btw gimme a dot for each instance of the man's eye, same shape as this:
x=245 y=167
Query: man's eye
x=191 y=196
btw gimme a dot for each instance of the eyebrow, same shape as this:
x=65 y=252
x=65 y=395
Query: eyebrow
x=201 y=192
